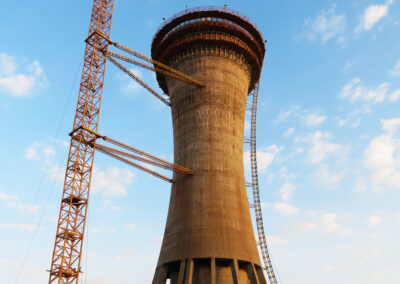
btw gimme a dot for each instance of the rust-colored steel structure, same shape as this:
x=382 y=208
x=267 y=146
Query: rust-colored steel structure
x=66 y=260
x=209 y=236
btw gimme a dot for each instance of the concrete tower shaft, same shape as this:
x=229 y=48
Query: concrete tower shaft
x=209 y=236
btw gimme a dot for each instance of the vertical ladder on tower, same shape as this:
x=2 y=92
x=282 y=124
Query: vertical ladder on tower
x=262 y=241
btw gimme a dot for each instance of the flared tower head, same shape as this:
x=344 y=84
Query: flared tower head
x=209 y=236
x=211 y=27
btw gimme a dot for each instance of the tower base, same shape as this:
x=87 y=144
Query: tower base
x=209 y=271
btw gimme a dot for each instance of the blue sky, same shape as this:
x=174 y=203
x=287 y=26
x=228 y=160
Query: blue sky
x=328 y=137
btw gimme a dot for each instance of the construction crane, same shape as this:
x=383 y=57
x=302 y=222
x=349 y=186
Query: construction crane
x=66 y=258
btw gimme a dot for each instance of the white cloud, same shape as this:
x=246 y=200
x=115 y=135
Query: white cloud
x=96 y=230
x=305 y=226
x=130 y=226
x=351 y=121
x=247 y=125
x=383 y=155
x=11 y=201
x=320 y=147
x=265 y=205
x=31 y=153
x=23 y=208
x=328 y=267
x=324 y=223
x=284 y=174
x=371 y=254
x=111 y=182
x=286 y=191
x=288 y=132
x=330 y=224
x=305 y=116
x=100 y=280
x=43 y=151
x=60 y=142
x=354 y=91
x=395 y=72
x=284 y=114
x=21 y=226
x=372 y=15
x=265 y=156
x=390 y=125
x=7 y=197
x=313 y=119
x=24 y=227
x=374 y=220
x=326 y=26
x=54 y=172
x=324 y=176
x=17 y=85
x=353 y=118
x=341 y=122
x=274 y=240
x=8 y=66
x=380 y=152
x=48 y=152
x=128 y=84
x=348 y=65
x=286 y=209
x=360 y=184
x=394 y=96
x=23 y=83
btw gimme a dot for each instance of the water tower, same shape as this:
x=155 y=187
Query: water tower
x=209 y=236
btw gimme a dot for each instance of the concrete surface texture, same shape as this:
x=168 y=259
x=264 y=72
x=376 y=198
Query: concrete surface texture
x=209 y=236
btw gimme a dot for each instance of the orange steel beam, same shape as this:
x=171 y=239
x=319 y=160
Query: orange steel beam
x=66 y=258
x=137 y=79
x=101 y=149
x=157 y=63
x=169 y=166
x=150 y=159
x=147 y=155
x=149 y=67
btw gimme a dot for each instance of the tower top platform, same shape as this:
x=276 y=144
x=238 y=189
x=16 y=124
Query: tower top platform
x=209 y=27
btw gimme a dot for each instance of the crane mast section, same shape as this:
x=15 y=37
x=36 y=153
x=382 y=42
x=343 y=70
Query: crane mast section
x=66 y=259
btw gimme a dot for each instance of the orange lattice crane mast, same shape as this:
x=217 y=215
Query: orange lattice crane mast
x=66 y=260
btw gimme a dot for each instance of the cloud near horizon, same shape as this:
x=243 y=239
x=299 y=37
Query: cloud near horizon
x=19 y=83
